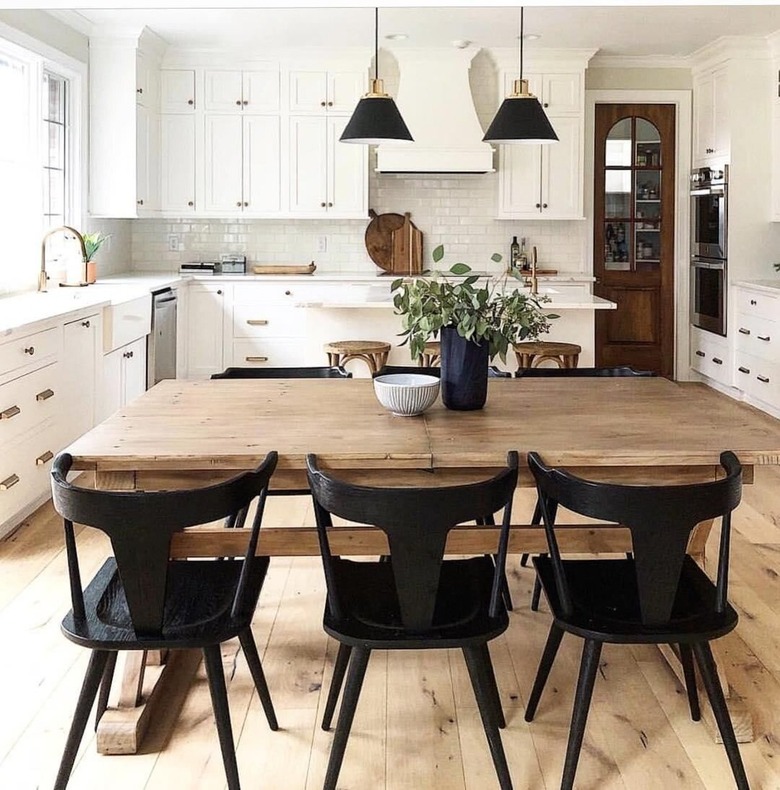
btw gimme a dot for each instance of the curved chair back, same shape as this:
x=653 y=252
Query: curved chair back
x=616 y=372
x=324 y=372
x=660 y=518
x=140 y=525
x=416 y=522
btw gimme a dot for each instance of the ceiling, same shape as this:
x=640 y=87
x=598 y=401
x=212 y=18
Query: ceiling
x=613 y=30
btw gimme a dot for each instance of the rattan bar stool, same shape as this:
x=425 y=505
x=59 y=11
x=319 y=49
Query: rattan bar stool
x=529 y=355
x=431 y=355
x=372 y=352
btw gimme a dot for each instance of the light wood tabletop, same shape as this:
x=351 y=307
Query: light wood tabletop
x=188 y=432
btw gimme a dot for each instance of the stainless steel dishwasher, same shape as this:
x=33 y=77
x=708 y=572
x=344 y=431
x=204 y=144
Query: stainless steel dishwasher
x=161 y=343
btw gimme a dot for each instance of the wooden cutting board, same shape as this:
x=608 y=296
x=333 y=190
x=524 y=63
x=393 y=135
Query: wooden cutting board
x=379 y=238
x=284 y=268
x=407 y=248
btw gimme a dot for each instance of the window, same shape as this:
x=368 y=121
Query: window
x=39 y=174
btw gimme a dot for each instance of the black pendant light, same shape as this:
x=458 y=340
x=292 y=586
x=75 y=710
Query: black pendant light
x=376 y=118
x=520 y=118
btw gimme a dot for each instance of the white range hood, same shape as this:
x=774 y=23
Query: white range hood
x=434 y=98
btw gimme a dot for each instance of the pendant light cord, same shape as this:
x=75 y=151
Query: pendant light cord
x=521 y=42
x=376 y=42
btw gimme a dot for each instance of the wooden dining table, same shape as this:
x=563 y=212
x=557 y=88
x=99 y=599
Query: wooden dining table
x=187 y=433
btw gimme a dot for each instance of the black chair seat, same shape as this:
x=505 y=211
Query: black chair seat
x=460 y=617
x=605 y=597
x=197 y=608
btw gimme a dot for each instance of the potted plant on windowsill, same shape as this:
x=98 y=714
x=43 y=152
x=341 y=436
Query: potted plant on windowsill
x=92 y=243
x=474 y=322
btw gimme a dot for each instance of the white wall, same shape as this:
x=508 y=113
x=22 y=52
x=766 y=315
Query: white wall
x=457 y=211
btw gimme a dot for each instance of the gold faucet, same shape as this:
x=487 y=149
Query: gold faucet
x=534 y=281
x=43 y=277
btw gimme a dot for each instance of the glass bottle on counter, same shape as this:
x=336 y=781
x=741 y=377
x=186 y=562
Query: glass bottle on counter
x=522 y=262
x=514 y=254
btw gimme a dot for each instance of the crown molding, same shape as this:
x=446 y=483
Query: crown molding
x=552 y=59
x=729 y=48
x=639 y=62
x=73 y=19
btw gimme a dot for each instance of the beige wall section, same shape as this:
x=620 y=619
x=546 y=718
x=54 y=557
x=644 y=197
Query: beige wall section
x=45 y=28
x=598 y=79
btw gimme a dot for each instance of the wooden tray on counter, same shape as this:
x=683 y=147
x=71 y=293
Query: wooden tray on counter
x=291 y=268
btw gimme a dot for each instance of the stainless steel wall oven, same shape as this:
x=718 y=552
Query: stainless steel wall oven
x=709 y=248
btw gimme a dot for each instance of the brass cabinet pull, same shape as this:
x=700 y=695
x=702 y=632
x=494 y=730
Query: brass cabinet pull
x=717 y=361
x=330 y=205
x=763 y=379
x=322 y=104
x=238 y=102
x=245 y=204
x=699 y=353
x=765 y=338
x=245 y=102
x=44 y=458
x=29 y=350
x=257 y=322
x=191 y=102
x=9 y=482
x=753 y=302
x=45 y=394
x=743 y=370
x=256 y=359
x=140 y=202
x=330 y=104
x=11 y=411
x=743 y=331
x=322 y=205
x=238 y=203
x=191 y=203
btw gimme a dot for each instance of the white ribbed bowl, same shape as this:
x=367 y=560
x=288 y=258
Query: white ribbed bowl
x=406 y=394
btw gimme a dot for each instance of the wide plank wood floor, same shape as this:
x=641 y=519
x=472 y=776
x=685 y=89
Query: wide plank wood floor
x=417 y=727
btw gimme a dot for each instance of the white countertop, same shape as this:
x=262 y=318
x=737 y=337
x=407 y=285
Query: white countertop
x=366 y=277
x=770 y=286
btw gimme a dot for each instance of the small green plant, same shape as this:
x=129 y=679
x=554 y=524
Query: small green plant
x=490 y=312
x=93 y=242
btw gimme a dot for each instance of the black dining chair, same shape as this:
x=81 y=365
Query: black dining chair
x=417 y=600
x=621 y=371
x=317 y=372
x=140 y=599
x=658 y=596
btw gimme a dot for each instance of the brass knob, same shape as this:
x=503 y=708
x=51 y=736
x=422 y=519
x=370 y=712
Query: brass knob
x=239 y=102
x=330 y=205
x=288 y=293
x=191 y=203
x=544 y=205
x=245 y=102
x=330 y=104
x=29 y=350
x=239 y=204
x=219 y=293
x=191 y=102
x=538 y=205
x=322 y=104
x=323 y=205
x=85 y=324
x=139 y=90
x=545 y=105
x=140 y=202
x=245 y=204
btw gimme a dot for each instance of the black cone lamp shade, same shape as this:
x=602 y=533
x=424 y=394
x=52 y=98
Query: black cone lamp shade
x=376 y=120
x=520 y=119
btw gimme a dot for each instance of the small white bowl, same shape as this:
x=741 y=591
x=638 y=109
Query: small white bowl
x=406 y=394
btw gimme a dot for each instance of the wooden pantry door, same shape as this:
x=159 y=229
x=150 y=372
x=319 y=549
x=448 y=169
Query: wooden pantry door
x=633 y=237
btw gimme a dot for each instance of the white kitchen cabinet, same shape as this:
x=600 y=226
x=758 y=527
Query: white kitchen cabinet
x=558 y=93
x=255 y=91
x=124 y=376
x=242 y=160
x=178 y=163
x=318 y=91
x=82 y=343
x=711 y=122
x=206 y=310
x=776 y=138
x=177 y=90
x=124 y=126
x=543 y=181
x=327 y=178
x=711 y=355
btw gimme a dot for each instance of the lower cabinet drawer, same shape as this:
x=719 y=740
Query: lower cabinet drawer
x=258 y=320
x=711 y=356
x=261 y=352
x=756 y=303
x=758 y=378
x=757 y=336
x=31 y=351
x=24 y=471
x=28 y=401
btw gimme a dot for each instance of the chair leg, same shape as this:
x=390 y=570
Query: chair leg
x=219 y=702
x=686 y=659
x=487 y=712
x=340 y=667
x=545 y=665
x=536 y=595
x=89 y=690
x=105 y=687
x=357 y=671
x=709 y=676
x=524 y=560
x=256 y=668
x=589 y=665
x=486 y=666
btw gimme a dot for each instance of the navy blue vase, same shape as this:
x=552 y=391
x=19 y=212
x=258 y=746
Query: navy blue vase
x=464 y=371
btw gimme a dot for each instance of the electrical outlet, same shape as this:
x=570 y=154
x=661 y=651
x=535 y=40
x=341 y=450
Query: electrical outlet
x=173 y=242
x=322 y=243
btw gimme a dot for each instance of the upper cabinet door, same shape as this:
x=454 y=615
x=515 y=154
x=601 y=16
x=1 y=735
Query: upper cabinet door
x=308 y=166
x=177 y=90
x=262 y=168
x=260 y=91
x=562 y=93
x=519 y=185
x=147 y=155
x=222 y=91
x=562 y=172
x=177 y=133
x=345 y=89
x=308 y=91
x=347 y=174
x=223 y=162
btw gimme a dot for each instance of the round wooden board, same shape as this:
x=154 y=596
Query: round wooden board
x=379 y=238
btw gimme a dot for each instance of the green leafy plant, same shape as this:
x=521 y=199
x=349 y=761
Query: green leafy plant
x=490 y=312
x=93 y=242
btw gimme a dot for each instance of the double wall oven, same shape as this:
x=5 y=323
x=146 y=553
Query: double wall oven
x=709 y=271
